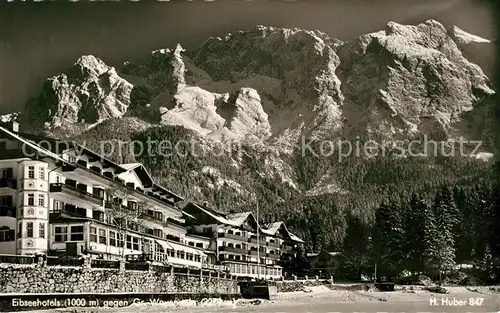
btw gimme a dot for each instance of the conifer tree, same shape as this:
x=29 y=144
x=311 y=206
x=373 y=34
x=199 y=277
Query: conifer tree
x=445 y=222
x=415 y=234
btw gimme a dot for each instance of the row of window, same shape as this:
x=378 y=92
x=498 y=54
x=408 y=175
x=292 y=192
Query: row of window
x=29 y=232
x=41 y=199
x=252 y=269
x=7 y=200
x=31 y=172
x=112 y=238
x=179 y=254
x=62 y=235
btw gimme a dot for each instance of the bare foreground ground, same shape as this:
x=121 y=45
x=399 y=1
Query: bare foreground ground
x=342 y=298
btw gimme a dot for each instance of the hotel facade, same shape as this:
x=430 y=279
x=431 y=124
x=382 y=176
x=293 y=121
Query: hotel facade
x=59 y=198
x=241 y=243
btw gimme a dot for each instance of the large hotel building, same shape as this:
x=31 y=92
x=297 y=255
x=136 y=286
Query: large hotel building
x=59 y=198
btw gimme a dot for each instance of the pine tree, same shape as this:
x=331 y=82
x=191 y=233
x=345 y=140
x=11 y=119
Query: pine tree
x=356 y=247
x=445 y=221
x=415 y=234
x=431 y=242
x=388 y=240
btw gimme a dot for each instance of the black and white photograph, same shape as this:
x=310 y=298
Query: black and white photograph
x=261 y=156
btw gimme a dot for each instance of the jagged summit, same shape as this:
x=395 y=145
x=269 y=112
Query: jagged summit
x=89 y=92
x=462 y=37
x=270 y=82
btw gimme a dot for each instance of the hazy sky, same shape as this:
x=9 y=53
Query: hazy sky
x=38 y=40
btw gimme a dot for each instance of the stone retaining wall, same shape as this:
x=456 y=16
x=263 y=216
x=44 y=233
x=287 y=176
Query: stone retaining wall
x=298 y=285
x=38 y=279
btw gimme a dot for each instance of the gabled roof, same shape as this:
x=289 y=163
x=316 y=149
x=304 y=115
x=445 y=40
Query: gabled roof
x=240 y=218
x=237 y=219
x=120 y=168
x=141 y=172
x=36 y=147
x=272 y=229
x=213 y=215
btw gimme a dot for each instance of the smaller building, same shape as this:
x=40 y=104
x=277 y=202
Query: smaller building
x=324 y=263
x=249 y=249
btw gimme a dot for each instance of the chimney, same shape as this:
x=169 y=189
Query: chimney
x=14 y=126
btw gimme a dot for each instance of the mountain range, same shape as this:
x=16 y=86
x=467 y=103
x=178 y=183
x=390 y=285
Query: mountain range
x=260 y=94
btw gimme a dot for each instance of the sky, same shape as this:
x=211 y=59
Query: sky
x=39 y=40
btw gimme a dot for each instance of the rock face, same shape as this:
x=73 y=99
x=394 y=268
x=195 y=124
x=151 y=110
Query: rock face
x=90 y=91
x=481 y=51
x=293 y=70
x=220 y=117
x=408 y=80
x=269 y=82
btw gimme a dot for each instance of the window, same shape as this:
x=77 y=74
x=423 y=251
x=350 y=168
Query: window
x=20 y=230
x=112 y=238
x=76 y=233
x=129 y=242
x=31 y=172
x=93 y=234
x=120 y=240
x=41 y=172
x=102 y=237
x=6 y=201
x=6 y=173
x=61 y=233
x=58 y=179
x=41 y=230
x=57 y=205
x=29 y=229
x=31 y=199
x=6 y=234
x=41 y=200
x=135 y=243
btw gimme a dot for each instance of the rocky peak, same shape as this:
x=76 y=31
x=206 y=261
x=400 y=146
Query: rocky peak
x=220 y=117
x=90 y=91
x=164 y=70
x=406 y=80
x=481 y=51
x=301 y=63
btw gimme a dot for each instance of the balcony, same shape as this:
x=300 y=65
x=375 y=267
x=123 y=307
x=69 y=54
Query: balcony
x=81 y=169
x=254 y=252
x=232 y=236
x=273 y=245
x=171 y=221
x=287 y=248
x=7 y=211
x=253 y=239
x=233 y=250
x=152 y=217
x=8 y=183
x=75 y=192
x=273 y=256
x=208 y=234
